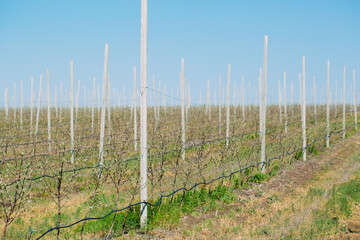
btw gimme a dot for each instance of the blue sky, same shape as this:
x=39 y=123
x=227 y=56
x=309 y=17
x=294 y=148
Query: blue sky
x=38 y=35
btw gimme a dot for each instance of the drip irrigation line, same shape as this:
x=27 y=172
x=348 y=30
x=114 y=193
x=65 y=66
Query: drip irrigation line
x=136 y=158
x=52 y=176
x=204 y=183
x=195 y=185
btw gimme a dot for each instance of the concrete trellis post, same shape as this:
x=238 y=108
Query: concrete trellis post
x=264 y=102
x=344 y=89
x=285 y=110
x=304 y=110
x=72 y=109
x=103 y=111
x=228 y=107
x=48 y=109
x=143 y=115
x=328 y=104
x=354 y=92
x=38 y=108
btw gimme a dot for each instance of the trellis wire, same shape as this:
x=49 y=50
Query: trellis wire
x=261 y=163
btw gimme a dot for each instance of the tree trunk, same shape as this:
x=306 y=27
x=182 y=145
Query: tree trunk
x=4 y=231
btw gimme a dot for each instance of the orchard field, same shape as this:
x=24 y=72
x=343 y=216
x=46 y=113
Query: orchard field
x=44 y=195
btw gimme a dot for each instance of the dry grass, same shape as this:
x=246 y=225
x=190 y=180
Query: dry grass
x=283 y=206
x=41 y=208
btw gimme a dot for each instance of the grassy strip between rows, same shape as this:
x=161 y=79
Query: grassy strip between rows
x=168 y=213
x=330 y=219
x=340 y=204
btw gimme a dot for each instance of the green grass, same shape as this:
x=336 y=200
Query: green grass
x=315 y=192
x=258 y=177
x=339 y=205
x=166 y=214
